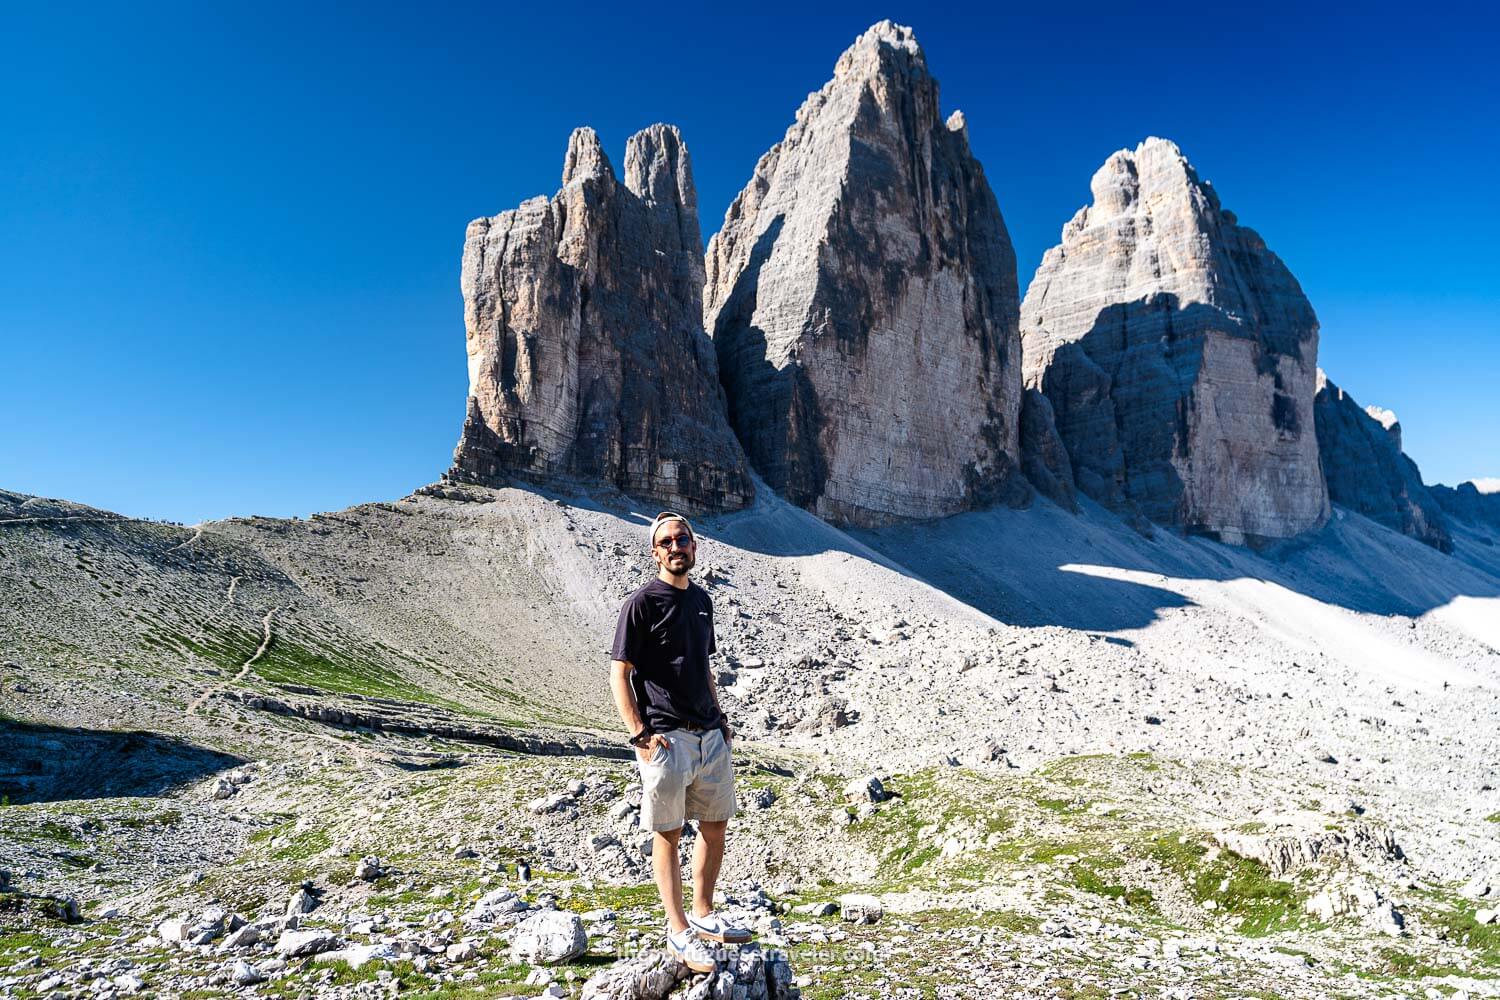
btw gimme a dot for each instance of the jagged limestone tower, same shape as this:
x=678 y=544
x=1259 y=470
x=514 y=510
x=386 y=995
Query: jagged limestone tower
x=862 y=297
x=587 y=354
x=1179 y=355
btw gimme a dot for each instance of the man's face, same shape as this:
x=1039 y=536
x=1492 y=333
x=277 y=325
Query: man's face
x=674 y=548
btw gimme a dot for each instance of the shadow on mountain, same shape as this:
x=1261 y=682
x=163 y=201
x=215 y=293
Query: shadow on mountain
x=41 y=763
x=1092 y=572
x=773 y=411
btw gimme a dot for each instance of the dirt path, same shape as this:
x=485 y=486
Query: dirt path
x=197 y=534
x=260 y=650
x=228 y=600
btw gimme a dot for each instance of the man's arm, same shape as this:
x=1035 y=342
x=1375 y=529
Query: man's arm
x=619 y=686
x=630 y=712
x=713 y=690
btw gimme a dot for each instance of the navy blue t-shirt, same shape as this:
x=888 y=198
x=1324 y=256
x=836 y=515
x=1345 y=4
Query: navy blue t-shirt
x=667 y=634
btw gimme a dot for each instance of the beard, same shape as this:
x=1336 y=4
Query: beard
x=678 y=563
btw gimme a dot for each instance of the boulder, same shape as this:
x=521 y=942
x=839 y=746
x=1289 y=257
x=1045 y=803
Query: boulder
x=551 y=803
x=463 y=951
x=242 y=937
x=294 y=944
x=862 y=298
x=866 y=789
x=860 y=909
x=1179 y=356
x=587 y=354
x=301 y=901
x=549 y=937
x=172 y=931
x=64 y=908
x=128 y=984
x=746 y=972
x=648 y=977
x=1367 y=471
x=246 y=974
x=1478 y=887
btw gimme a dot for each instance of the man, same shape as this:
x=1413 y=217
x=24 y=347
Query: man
x=664 y=691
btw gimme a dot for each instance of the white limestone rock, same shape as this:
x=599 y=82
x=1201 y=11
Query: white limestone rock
x=1350 y=896
x=298 y=943
x=1284 y=851
x=173 y=931
x=246 y=974
x=549 y=937
x=858 y=908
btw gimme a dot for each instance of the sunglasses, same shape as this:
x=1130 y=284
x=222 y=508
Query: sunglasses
x=685 y=540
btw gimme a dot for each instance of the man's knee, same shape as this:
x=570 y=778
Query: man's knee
x=712 y=831
x=670 y=836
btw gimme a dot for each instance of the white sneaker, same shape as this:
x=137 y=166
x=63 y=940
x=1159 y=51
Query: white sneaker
x=716 y=928
x=690 y=950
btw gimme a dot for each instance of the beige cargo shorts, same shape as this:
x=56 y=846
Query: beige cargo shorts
x=693 y=778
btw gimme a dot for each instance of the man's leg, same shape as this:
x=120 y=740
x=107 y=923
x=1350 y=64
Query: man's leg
x=667 y=868
x=708 y=855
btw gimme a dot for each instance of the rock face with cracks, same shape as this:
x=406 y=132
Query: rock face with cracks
x=862 y=299
x=1179 y=355
x=587 y=355
x=1368 y=472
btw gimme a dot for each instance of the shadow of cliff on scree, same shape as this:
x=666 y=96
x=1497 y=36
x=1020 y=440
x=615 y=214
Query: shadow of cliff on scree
x=42 y=763
x=1091 y=570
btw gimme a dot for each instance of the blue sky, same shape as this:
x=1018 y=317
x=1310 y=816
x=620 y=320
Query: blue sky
x=230 y=238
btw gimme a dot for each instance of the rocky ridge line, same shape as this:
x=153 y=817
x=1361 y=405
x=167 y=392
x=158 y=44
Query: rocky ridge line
x=1368 y=472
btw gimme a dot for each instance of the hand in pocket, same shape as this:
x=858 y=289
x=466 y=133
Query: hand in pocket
x=655 y=750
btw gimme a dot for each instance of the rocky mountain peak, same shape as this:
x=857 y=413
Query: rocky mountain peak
x=587 y=356
x=1179 y=356
x=882 y=41
x=1155 y=169
x=1385 y=418
x=657 y=167
x=862 y=299
x=585 y=158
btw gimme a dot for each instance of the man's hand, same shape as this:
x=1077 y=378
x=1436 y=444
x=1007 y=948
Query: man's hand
x=646 y=753
x=728 y=733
